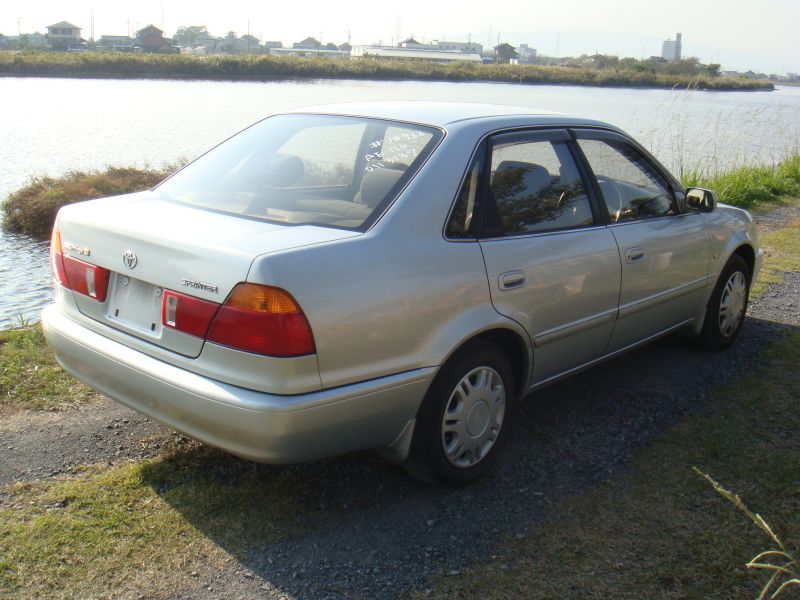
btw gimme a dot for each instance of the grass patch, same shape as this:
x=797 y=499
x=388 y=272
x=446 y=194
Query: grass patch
x=750 y=186
x=270 y=68
x=156 y=525
x=32 y=209
x=781 y=255
x=31 y=378
x=660 y=531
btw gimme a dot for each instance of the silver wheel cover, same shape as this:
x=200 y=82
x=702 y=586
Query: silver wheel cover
x=473 y=417
x=732 y=304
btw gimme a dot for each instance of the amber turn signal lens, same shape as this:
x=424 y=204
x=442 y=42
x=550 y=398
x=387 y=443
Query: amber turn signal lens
x=262 y=299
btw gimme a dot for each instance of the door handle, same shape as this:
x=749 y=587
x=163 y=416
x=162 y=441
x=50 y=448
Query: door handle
x=633 y=255
x=511 y=280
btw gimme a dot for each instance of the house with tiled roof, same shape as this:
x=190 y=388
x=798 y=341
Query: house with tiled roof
x=64 y=36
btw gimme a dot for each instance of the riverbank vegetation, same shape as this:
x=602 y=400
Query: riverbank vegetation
x=104 y=65
x=32 y=209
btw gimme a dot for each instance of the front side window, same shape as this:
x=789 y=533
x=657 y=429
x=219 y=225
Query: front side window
x=306 y=169
x=631 y=187
x=534 y=186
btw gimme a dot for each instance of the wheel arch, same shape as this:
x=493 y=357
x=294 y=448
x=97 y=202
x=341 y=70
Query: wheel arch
x=515 y=348
x=748 y=253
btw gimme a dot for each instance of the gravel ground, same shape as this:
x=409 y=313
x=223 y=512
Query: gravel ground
x=373 y=532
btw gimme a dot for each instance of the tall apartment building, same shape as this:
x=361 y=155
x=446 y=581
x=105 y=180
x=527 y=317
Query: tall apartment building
x=671 y=49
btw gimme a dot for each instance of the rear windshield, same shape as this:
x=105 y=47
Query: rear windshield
x=306 y=169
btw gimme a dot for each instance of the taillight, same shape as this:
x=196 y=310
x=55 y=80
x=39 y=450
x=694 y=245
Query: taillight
x=186 y=313
x=263 y=320
x=57 y=258
x=77 y=275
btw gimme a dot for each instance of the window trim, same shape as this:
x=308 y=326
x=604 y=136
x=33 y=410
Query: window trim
x=551 y=134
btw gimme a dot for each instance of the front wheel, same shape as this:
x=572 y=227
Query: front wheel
x=464 y=418
x=727 y=305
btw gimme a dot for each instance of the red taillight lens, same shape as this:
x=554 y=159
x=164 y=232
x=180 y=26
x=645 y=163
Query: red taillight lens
x=87 y=279
x=76 y=275
x=186 y=313
x=263 y=320
x=57 y=258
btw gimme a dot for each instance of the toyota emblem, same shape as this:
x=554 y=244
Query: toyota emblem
x=129 y=259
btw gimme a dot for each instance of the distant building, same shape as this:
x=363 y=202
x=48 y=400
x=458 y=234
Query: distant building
x=671 y=49
x=345 y=47
x=414 y=53
x=309 y=43
x=317 y=52
x=526 y=53
x=463 y=47
x=247 y=44
x=116 y=43
x=4 y=43
x=268 y=45
x=151 y=39
x=205 y=43
x=64 y=36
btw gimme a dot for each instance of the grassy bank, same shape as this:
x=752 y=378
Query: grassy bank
x=269 y=68
x=32 y=209
x=750 y=186
x=30 y=378
x=156 y=526
x=659 y=530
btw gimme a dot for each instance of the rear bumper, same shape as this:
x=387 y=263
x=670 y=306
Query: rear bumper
x=254 y=425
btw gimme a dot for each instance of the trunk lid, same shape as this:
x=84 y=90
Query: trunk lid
x=151 y=245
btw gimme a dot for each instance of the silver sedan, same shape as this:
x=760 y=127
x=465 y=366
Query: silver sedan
x=391 y=276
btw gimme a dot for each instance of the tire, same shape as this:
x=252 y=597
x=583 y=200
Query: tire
x=464 y=418
x=727 y=306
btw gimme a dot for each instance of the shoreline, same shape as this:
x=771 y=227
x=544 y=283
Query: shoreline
x=178 y=67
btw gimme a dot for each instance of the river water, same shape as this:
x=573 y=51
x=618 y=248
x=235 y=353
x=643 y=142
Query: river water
x=50 y=126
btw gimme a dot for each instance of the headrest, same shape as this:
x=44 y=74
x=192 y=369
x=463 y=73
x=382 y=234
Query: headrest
x=283 y=170
x=376 y=184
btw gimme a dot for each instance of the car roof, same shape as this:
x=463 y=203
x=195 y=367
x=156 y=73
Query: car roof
x=445 y=114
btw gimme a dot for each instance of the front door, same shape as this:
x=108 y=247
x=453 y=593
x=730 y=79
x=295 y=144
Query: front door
x=664 y=253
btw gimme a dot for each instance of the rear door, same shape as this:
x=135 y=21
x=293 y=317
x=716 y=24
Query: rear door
x=552 y=264
x=664 y=253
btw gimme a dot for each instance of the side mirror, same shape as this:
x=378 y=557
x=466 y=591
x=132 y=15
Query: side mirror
x=701 y=200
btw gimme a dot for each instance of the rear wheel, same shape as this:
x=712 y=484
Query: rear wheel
x=464 y=418
x=727 y=305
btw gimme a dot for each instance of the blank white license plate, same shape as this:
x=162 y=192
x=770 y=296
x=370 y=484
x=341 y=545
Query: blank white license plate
x=135 y=304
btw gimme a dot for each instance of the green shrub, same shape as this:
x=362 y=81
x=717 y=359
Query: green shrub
x=32 y=209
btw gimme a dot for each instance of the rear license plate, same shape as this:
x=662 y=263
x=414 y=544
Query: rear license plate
x=135 y=304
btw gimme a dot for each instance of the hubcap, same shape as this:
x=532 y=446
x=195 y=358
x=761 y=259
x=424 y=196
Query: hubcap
x=473 y=417
x=732 y=304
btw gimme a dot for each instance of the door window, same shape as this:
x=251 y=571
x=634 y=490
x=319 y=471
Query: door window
x=534 y=186
x=631 y=187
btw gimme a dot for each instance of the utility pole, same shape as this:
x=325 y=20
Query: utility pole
x=248 y=37
x=19 y=26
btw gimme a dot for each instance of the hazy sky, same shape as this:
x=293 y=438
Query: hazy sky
x=740 y=34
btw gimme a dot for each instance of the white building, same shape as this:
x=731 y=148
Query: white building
x=415 y=53
x=671 y=49
x=525 y=52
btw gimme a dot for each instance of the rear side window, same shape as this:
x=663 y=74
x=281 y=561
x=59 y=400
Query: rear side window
x=306 y=169
x=534 y=186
